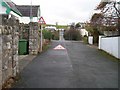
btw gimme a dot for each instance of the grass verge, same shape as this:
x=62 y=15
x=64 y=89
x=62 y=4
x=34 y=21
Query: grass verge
x=109 y=56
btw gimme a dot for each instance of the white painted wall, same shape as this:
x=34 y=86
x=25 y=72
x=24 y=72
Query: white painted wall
x=110 y=45
x=83 y=32
x=90 y=39
x=119 y=47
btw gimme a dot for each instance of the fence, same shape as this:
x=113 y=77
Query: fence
x=110 y=45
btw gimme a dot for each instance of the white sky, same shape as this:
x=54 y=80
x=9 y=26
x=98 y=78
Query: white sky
x=63 y=11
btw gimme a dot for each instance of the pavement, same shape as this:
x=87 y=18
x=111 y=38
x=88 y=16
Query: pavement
x=24 y=60
x=78 y=66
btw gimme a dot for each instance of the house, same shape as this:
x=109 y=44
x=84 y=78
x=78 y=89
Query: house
x=83 y=32
x=51 y=28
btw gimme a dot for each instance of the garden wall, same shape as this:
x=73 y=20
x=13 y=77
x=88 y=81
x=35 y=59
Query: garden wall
x=8 y=53
x=110 y=45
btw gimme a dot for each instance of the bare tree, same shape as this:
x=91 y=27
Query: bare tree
x=110 y=9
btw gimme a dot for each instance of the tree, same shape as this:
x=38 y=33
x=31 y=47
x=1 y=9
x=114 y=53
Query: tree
x=77 y=25
x=93 y=31
x=72 y=33
x=55 y=35
x=110 y=11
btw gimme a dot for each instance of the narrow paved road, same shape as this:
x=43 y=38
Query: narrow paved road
x=78 y=66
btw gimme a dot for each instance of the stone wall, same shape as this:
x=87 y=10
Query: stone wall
x=0 y=61
x=10 y=32
x=34 y=39
x=8 y=52
x=31 y=33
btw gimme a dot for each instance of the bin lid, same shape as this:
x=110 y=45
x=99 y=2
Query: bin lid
x=21 y=40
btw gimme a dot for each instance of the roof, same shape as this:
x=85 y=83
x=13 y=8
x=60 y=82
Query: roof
x=10 y=7
x=26 y=10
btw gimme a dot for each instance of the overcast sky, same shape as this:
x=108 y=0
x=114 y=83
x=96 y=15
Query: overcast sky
x=63 y=11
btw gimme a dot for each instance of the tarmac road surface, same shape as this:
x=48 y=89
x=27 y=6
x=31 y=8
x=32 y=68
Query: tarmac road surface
x=76 y=66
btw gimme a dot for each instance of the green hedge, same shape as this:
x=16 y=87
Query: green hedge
x=72 y=35
x=47 y=34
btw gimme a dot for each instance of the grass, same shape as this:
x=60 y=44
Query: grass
x=109 y=56
x=85 y=40
x=46 y=47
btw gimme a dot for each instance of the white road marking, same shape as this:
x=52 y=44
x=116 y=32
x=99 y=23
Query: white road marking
x=59 y=47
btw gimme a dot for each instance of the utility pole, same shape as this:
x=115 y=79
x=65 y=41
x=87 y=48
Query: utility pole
x=30 y=32
x=41 y=38
x=31 y=16
x=41 y=22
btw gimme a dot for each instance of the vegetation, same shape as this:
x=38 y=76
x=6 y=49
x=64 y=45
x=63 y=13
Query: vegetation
x=93 y=31
x=106 y=20
x=55 y=35
x=109 y=56
x=85 y=39
x=47 y=34
x=72 y=33
x=46 y=47
x=109 y=17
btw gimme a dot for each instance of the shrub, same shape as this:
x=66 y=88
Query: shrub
x=55 y=35
x=47 y=34
x=85 y=39
x=72 y=35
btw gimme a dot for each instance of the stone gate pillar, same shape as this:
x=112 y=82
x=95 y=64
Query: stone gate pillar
x=33 y=38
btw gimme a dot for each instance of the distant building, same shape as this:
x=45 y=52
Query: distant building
x=83 y=32
x=51 y=28
x=82 y=25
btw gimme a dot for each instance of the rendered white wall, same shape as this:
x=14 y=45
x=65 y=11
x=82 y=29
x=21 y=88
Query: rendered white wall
x=90 y=39
x=110 y=45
